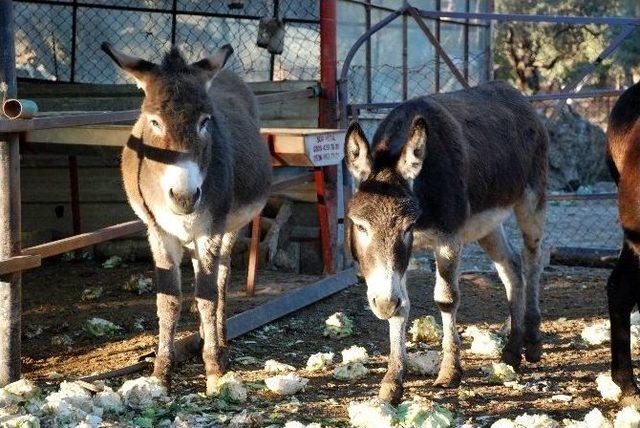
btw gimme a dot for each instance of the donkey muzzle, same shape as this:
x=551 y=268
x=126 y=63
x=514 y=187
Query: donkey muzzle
x=384 y=308
x=184 y=202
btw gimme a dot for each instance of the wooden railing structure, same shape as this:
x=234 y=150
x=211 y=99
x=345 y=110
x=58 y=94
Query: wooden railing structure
x=14 y=259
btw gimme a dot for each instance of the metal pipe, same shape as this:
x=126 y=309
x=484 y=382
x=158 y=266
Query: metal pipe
x=514 y=17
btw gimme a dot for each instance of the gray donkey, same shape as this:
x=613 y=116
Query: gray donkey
x=195 y=170
x=445 y=170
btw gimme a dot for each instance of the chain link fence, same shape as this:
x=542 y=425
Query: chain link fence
x=59 y=40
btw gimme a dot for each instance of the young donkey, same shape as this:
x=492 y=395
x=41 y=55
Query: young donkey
x=445 y=170
x=623 y=158
x=195 y=170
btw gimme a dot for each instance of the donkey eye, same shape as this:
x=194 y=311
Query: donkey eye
x=361 y=228
x=155 y=123
x=407 y=233
x=204 y=123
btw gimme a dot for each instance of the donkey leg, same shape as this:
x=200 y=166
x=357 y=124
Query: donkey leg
x=530 y=215
x=167 y=254
x=508 y=266
x=208 y=252
x=447 y=297
x=391 y=388
x=224 y=266
x=622 y=297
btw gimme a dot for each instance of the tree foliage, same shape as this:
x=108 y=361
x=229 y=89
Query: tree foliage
x=543 y=57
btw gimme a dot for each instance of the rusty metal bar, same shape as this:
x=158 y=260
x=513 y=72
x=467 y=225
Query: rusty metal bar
x=405 y=59
x=436 y=70
x=367 y=19
x=441 y=52
x=465 y=68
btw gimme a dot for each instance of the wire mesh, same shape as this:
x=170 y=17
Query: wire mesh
x=59 y=40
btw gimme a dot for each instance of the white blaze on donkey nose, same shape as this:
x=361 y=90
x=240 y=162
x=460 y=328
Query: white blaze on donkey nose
x=384 y=290
x=184 y=177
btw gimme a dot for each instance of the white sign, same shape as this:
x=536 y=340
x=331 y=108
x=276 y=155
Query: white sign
x=326 y=148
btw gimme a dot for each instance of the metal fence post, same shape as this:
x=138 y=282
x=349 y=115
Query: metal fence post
x=10 y=285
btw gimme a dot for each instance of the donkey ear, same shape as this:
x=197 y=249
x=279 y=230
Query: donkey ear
x=137 y=68
x=209 y=67
x=414 y=150
x=356 y=153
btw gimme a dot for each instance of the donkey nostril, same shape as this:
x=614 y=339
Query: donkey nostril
x=171 y=193
x=374 y=301
x=197 y=195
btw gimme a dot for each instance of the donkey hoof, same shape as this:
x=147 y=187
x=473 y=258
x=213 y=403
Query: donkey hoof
x=449 y=378
x=162 y=371
x=391 y=392
x=212 y=385
x=533 y=351
x=510 y=357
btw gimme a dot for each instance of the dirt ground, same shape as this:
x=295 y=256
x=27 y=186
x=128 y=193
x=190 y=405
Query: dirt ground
x=571 y=298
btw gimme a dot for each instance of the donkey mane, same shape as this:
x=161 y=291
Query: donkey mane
x=173 y=62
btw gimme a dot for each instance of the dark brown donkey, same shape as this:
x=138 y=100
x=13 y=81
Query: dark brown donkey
x=195 y=170
x=445 y=170
x=623 y=289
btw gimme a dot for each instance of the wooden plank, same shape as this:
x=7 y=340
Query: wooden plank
x=65 y=119
x=11 y=286
x=90 y=135
x=19 y=263
x=288 y=182
x=287 y=96
x=277 y=308
x=288 y=303
x=86 y=239
x=293 y=147
x=253 y=256
x=249 y=320
x=68 y=119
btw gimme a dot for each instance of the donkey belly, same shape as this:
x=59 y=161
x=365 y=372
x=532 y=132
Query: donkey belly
x=480 y=224
x=240 y=216
x=476 y=227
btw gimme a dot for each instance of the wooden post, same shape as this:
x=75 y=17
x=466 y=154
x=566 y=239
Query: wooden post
x=254 y=249
x=328 y=119
x=10 y=284
x=74 y=188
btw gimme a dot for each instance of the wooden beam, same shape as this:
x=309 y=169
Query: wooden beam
x=11 y=285
x=252 y=266
x=252 y=319
x=288 y=303
x=76 y=242
x=65 y=119
x=289 y=182
x=19 y=263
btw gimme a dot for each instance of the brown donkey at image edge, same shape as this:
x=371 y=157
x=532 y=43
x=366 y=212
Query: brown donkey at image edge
x=442 y=171
x=195 y=170
x=623 y=288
